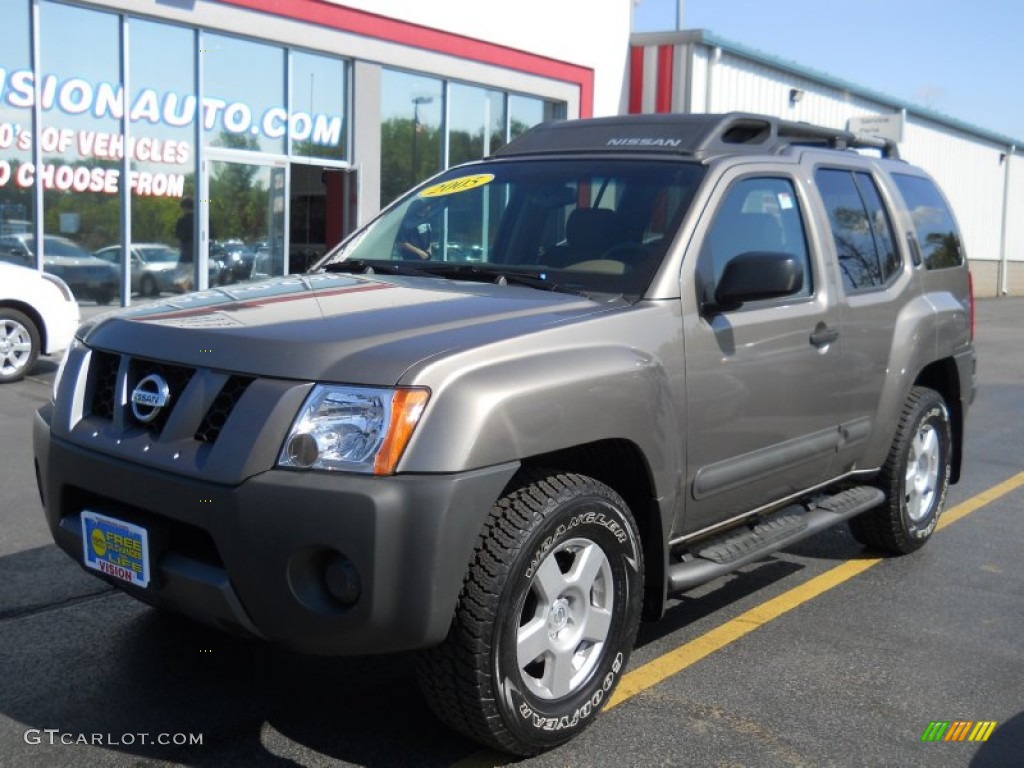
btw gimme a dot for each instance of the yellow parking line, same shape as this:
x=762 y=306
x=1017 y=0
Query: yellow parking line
x=985 y=497
x=678 y=659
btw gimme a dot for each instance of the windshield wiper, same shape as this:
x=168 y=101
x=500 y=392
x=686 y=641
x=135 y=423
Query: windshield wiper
x=364 y=267
x=495 y=273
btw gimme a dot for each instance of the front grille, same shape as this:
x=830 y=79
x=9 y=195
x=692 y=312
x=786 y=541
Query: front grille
x=103 y=384
x=220 y=409
x=104 y=381
x=177 y=378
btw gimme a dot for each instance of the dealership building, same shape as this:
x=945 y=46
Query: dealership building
x=241 y=138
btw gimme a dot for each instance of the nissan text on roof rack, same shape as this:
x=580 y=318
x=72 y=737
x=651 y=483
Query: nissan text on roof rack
x=530 y=402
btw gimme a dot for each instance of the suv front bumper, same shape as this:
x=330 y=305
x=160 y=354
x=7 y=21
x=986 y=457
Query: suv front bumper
x=262 y=557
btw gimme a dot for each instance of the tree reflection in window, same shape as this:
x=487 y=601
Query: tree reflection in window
x=861 y=228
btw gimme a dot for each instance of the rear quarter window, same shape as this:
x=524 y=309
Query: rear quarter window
x=934 y=225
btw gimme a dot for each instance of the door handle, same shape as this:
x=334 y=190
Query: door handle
x=823 y=335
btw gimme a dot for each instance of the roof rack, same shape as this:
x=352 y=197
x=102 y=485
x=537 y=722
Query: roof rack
x=698 y=135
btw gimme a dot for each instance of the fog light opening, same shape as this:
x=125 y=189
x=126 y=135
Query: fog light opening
x=342 y=580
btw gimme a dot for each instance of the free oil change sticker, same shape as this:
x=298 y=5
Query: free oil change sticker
x=115 y=548
x=461 y=184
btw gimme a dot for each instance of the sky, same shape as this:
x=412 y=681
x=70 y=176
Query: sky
x=962 y=59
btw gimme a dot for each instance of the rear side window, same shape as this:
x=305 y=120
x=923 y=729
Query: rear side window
x=861 y=228
x=936 y=230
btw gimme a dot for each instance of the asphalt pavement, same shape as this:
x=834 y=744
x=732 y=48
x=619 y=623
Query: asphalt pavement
x=764 y=675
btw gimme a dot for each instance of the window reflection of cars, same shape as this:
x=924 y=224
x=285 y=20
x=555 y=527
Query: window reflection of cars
x=236 y=258
x=153 y=266
x=269 y=259
x=88 y=276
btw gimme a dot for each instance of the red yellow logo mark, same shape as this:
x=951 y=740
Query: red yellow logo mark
x=958 y=730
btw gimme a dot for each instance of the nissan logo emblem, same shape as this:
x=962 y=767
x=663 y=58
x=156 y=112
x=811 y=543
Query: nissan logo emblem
x=149 y=396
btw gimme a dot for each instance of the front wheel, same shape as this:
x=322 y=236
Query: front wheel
x=546 y=619
x=19 y=344
x=915 y=478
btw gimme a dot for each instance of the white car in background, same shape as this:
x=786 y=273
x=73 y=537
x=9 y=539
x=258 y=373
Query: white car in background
x=38 y=316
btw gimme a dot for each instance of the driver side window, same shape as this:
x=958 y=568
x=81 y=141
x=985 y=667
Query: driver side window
x=756 y=215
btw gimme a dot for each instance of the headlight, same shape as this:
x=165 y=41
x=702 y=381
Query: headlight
x=59 y=284
x=355 y=429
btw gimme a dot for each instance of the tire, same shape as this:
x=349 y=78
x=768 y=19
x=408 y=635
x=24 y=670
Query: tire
x=546 y=619
x=915 y=478
x=103 y=298
x=19 y=345
x=148 y=286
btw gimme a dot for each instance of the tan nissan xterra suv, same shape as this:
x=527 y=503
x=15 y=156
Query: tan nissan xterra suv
x=536 y=397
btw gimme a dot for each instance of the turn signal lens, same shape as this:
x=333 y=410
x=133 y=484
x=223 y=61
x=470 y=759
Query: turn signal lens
x=406 y=408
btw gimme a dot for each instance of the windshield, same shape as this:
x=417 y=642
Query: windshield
x=585 y=225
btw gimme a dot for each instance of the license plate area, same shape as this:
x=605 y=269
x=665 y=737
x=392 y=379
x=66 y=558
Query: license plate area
x=115 y=548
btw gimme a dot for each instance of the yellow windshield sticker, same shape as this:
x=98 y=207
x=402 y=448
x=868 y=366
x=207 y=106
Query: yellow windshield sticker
x=461 y=184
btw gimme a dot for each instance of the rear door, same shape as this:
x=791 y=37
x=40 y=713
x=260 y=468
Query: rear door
x=761 y=412
x=876 y=283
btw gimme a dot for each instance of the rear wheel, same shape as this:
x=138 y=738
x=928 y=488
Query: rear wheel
x=149 y=286
x=19 y=344
x=546 y=619
x=915 y=478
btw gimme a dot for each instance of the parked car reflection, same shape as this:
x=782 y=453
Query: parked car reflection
x=87 y=276
x=153 y=266
x=237 y=258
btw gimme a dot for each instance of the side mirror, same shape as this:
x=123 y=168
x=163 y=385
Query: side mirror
x=758 y=275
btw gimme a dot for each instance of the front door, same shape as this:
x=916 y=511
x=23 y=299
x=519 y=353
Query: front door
x=242 y=219
x=761 y=408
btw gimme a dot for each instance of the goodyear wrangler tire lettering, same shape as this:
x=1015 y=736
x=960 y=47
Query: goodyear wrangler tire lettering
x=546 y=619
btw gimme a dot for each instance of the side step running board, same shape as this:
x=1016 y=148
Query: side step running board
x=734 y=549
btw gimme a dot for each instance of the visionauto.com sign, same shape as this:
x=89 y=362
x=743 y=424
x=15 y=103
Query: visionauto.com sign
x=77 y=96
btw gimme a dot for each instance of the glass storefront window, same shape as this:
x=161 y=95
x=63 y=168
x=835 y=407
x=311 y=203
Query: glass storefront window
x=243 y=94
x=411 y=138
x=476 y=122
x=528 y=111
x=318 y=125
x=16 y=194
x=247 y=219
x=82 y=146
x=414 y=143
x=162 y=67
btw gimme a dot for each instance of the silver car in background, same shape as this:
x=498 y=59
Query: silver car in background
x=153 y=266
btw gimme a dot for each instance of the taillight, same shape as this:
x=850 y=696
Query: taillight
x=970 y=289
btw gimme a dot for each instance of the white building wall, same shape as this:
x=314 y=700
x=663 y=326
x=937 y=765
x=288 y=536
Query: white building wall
x=589 y=33
x=741 y=84
x=1013 y=282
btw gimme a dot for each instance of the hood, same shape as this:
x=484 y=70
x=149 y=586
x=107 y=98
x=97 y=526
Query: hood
x=353 y=329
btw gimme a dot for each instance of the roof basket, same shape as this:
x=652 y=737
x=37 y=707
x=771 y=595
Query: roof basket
x=699 y=135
